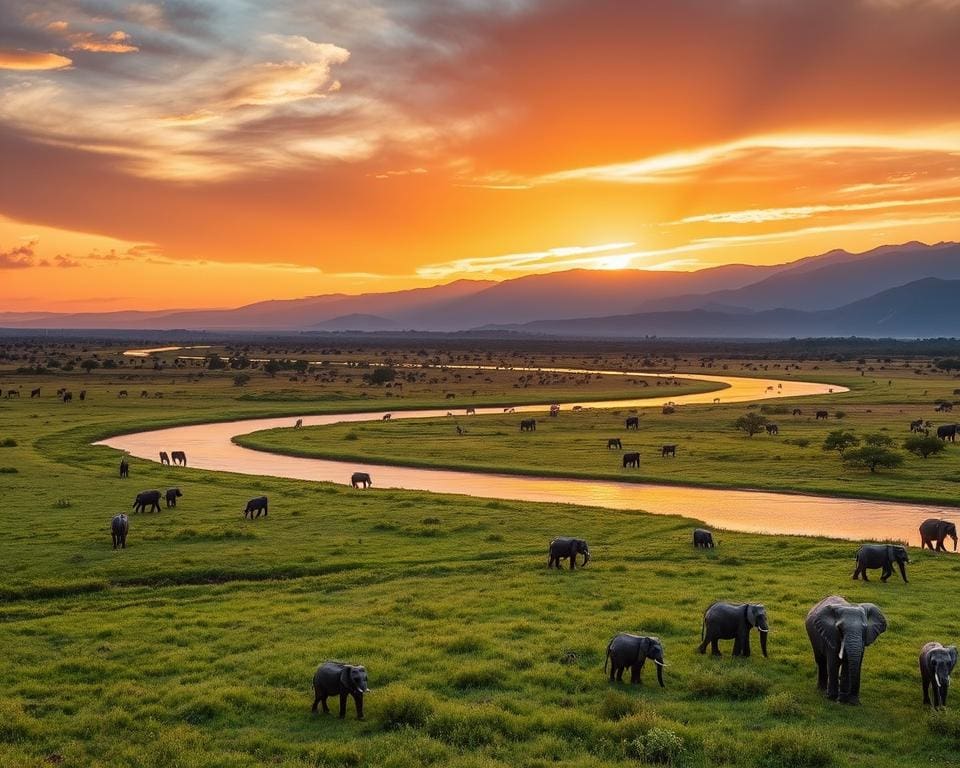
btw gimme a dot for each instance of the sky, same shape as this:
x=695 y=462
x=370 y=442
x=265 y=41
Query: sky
x=169 y=154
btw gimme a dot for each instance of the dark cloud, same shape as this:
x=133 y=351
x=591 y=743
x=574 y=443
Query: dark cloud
x=19 y=257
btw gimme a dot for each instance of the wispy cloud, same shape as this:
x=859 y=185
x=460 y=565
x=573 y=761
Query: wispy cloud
x=762 y=215
x=31 y=61
x=564 y=257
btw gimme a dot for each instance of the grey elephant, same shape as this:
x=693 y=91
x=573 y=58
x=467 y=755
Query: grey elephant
x=936 y=664
x=839 y=633
x=733 y=621
x=935 y=530
x=258 y=506
x=334 y=678
x=703 y=539
x=567 y=547
x=626 y=650
x=147 y=499
x=172 y=495
x=881 y=556
x=119 y=528
x=360 y=479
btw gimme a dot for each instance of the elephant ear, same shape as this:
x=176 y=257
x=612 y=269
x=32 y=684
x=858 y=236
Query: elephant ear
x=952 y=651
x=345 y=680
x=876 y=623
x=825 y=622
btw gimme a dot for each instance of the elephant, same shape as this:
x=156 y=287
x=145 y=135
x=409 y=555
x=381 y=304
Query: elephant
x=528 y=425
x=626 y=650
x=34 y=393
x=566 y=547
x=119 y=527
x=164 y=458
x=334 y=678
x=144 y=393
x=936 y=664
x=147 y=499
x=386 y=417
x=773 y=429
x=258 y=505
x=614 y=442
x=668 y=450
x=471 y=411
x=633 y=422
x=916 y=426
x=360 y=478
x=733 y=621
x=172 y=495
x=822 y=415
x=797 y=412
x=933 y=529
x=122 y=393
x=839 y=632
x=298 y=423
x=179 y=457
x=631 y=460
x=124 y=468
x=703 y=539
x=83 y=395
x=881 y=556
x=67 y=397
x=947 y=432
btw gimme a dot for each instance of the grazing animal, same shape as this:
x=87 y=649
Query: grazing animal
x=631 y=460
x=67 y=397
x=703 y=539
x=172 y=495
x=298 y=423
x=35 y=393
x=83 y=395
x=797 y=412
x=839 y=633
x=773 y=429
x=528 y=425
x=333 y=678
x=144 y=393
x=386 y=417
x=124 y=468
x=944 y=407
x=450 y=395
x=916 y=426
x=358 y=479
x=881 y=556
x=460 y=430
x=122 y=393
x=554 y=410
x=632 y=422
x=164 y=458
x=934 y=530
x=578 y=408
x=733 y=621
x=716 y=400
x=626 y=650
x=566 y=547
x=158 y=394
x=668 y=450
x=614 y=442
x=179 y=457
x=471 y=411
x=13 y=393
x=258 y=505
x=508 y=410
x=936 y=664
x=147 y=499
x=119 y=527
x=822 y=415
x=947 y=432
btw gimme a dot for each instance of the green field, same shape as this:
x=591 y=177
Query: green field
x=197 y=644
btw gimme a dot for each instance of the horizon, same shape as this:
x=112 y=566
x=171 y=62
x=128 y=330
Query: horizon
x=183 y=156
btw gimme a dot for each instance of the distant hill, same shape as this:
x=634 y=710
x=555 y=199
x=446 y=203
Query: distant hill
x=356 y=322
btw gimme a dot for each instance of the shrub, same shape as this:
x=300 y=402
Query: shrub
x=617 y=705
x=241 y=379
x=8 y=442
x=795 y=748
x=659 y=746
x=400 y=707
x=840 y=440
x=736 y=684
x=924 y=445
x=8 y=470
x=782 y=704
x=351 y=436
x=873 y=457
x=751 y=423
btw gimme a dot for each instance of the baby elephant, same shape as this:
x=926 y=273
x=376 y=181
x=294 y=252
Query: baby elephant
x=731 y=621
x=936 y=664
x=881 y=556
x=626 y=650
x=334 y=678
x=565 y=547
x=172 y=495
x=119 y=527
x=703 y=539
x=257 y=505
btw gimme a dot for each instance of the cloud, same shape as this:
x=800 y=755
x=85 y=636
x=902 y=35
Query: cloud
x=19 y=257
x=115 y=42
x=761 y=215
x=27 y=61
x=61 y=261
x=552 y=259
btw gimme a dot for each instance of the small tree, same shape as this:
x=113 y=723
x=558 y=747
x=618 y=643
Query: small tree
x=214 y=363
x=241 y=379
x=89 y=365
x=924 y=445
x=380 y=376
x=878 y=441
x=272 y=368
x=840 y=440
x=948 y=364
x=872 y=457
x=751 y=423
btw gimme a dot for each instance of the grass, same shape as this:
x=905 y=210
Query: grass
x=196 y=645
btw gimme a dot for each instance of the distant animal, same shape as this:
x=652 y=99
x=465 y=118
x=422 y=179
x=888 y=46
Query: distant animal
x=450 y=395
x=839 y=633
x=797 y=412
x=386 y=417
x=626 y=650
x=61 y=391
x=172 y=495
x=144 y=393
x=614 y=442
x=936 y=664
x=944 y=407
x=631 y=460
x=179 y=457
x=822 y=415
x=460 y=430
x=632 y=422
x=35 y=393
x=733 y=621
x=554 y=410
x=67 y=397
x=358 y=479
x=13 y=393
x=716 y=400
x=83 y=395
x=947 y=432
x=258 y=505
x=881 y=556
x=567 y=548
x=334 y=678
x=298 y=423
x=528 y=425
x=122 y=393
x=164 y=457
x=668 y=450
x=916 y=426
x=703 y=539
x=934 y=530
x=119 y=527
x=471 y=411
x=147 y=499
x=577 y=408
x=158 y=394
x=773 y=429
x=124 y=468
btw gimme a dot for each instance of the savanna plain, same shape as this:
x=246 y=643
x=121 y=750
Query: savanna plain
x=196 y=645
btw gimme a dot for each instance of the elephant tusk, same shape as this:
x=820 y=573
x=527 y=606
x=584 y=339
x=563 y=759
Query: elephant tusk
x=762 y=630
x=937 y=678
x=841 y=647
x=660 y=663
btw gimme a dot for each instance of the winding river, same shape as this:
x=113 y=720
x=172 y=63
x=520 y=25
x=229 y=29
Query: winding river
x=210 y=447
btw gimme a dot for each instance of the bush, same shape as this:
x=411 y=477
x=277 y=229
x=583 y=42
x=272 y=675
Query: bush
x=736 y=684
x=8 y=442
x=658 y=746
x=795 y=748
x=751 y=423
x=8 y=470
x=924 y=445
x=617 y=705
x=241 y=379
x=840 y=440
x=782 y=704
x=873 y=457
x=400 y=707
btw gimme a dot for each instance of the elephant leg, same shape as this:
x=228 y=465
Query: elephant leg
x=358 y=703
x=620 y=674
x=573 y=562
x=343 y=704
x=745 y=645
x=635 y=674
x=715 y=650
x=926 y=688
x=903 y=572
x=886 y=573
x=613 y=673
x=737 y=645
x=856 y=572
x=833 y=676
x=821 y=671
x=702 y=648
x=316 y=701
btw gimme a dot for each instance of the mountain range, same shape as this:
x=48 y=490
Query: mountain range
x=895 y=290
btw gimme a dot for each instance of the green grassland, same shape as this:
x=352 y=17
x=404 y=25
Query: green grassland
x=197 y=644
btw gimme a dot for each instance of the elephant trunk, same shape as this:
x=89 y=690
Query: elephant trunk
x=586 y=556
x=660 y=673
x=763 y=641
x=849 y=684
x=954 y=543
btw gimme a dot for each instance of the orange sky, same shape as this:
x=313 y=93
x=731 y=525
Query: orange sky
x=181 y=154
